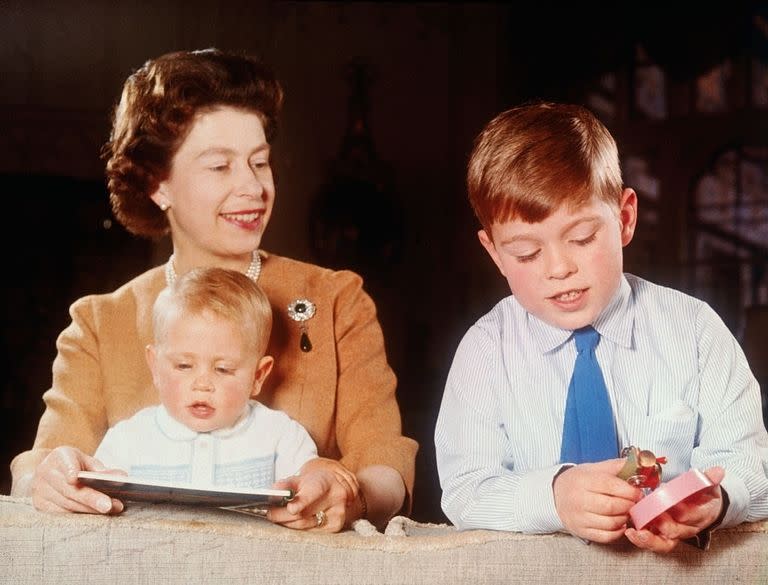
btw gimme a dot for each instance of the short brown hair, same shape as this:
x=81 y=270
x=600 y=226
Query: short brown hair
x=226 y=293
x=531 y=159
x=156 y=112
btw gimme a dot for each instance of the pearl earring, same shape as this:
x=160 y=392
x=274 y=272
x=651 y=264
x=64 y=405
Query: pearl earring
x=164 y=206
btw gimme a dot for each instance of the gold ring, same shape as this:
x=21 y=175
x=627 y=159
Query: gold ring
x=320 y=517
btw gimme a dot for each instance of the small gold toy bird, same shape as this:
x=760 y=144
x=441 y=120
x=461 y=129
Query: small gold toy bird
x=642 y=468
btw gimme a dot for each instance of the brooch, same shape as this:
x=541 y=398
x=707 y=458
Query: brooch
x=301 y=311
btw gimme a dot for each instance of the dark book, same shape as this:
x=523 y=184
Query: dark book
x=134 y=489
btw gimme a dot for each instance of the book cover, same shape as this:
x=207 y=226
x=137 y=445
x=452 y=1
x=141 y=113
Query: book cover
x=133 y=489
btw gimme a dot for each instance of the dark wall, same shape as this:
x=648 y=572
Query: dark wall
x=56 y=251
x=439 y=72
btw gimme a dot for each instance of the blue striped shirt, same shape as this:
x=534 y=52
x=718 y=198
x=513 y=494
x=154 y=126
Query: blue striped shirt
x=679 y=385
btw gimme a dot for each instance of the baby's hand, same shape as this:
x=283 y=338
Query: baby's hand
x=343 y=475
x=592 y=502
x=685 y=520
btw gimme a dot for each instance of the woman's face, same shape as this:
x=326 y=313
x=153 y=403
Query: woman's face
x=220 y=190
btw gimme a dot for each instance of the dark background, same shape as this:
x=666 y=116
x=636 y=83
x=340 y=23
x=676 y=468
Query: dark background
x=389 y=202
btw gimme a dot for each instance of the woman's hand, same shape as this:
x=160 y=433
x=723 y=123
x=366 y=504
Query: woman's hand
x=326 y=498
x=55 y=487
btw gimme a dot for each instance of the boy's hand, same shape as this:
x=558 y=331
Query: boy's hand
x=592 y=502
x=685 y=520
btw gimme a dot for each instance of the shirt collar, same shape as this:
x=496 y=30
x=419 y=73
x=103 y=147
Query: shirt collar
x=177 y=431
x=615 y=323
x=617 y=320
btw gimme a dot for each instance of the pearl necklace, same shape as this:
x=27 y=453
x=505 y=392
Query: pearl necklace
x=253 y=270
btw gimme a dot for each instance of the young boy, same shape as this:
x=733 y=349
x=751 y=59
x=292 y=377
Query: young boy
x=545 y=184
x=211 y=329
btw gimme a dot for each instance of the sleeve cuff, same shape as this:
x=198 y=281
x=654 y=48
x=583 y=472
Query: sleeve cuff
x=702 y=539
x=537 y=500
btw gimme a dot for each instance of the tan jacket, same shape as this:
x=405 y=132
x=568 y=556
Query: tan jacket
x=342 y=391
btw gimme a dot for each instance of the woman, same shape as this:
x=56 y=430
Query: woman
x=189 y=156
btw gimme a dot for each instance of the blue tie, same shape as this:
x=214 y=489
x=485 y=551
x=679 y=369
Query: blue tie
x=588 y=431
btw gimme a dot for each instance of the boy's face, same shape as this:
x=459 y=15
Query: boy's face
x=205 y=372
x=566 y=268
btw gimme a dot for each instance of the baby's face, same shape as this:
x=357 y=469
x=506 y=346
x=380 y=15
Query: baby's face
x=566 y=268
x=204 y=371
